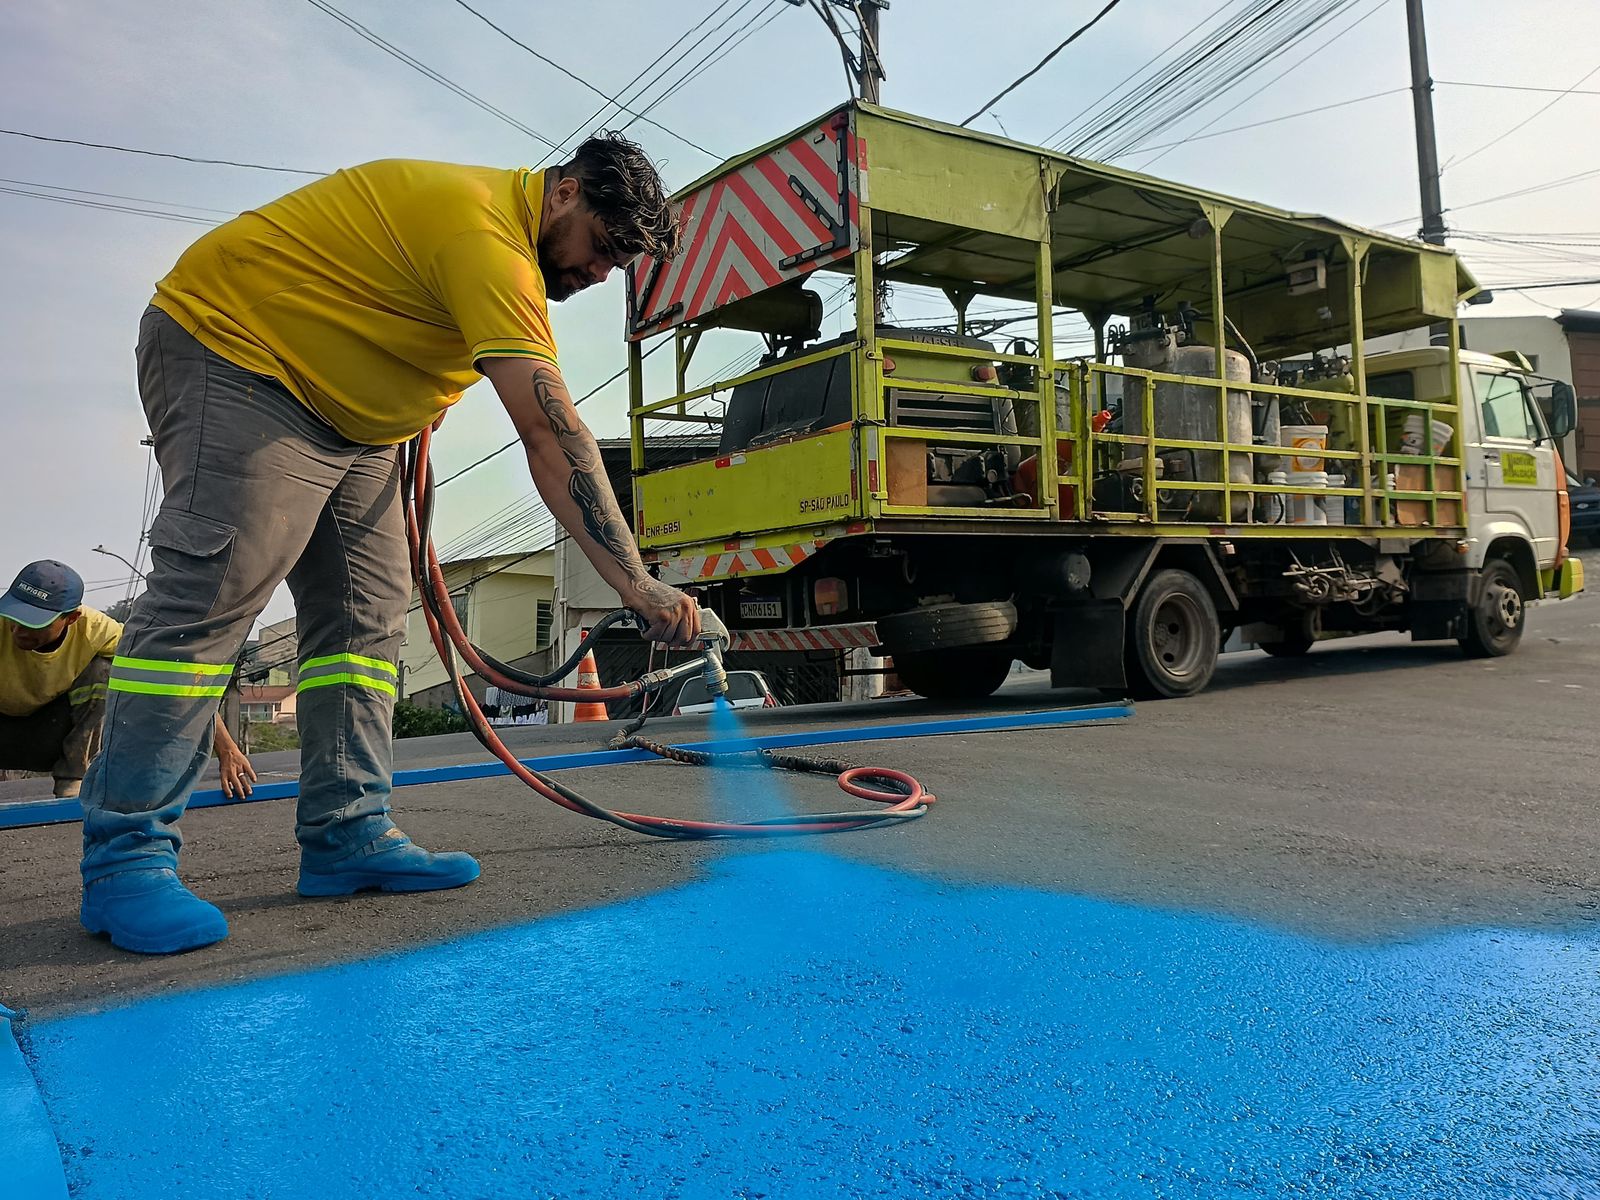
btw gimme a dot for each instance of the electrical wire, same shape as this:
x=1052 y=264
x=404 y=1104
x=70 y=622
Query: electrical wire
x=1254 y=47
x=1039 y=66
x=1305 y=112
x=715 y=55
x=423 y=69
x=1050 y=137
x=1456 y=162
x=1200 y=134
x=614 y=106
x=851 y=64
x=170 y=204
x=78 y=202
x=579 y=80
x=1516 y=87
x=218 y=162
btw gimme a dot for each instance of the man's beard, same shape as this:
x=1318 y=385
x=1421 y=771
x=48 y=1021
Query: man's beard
x=559 y=282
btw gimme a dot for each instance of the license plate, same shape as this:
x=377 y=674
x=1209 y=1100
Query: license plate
x=761 y=610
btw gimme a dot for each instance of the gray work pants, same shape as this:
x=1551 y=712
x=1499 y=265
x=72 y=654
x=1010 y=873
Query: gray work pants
x=64 y=735
x=257 y=489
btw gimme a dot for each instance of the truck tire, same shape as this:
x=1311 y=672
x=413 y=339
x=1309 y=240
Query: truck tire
x=1172 y=638
x=967 y=673
x=947 y=626
x=1496 y=619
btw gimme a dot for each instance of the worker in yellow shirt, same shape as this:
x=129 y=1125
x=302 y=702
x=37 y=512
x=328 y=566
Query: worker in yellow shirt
x=281 y=364
x=55 y=658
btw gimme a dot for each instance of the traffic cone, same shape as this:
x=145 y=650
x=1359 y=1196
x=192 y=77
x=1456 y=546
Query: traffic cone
x=589 y=681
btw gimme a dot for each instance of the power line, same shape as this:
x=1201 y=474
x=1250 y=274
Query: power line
x=1531 y=116
x=219 y=162
x=1023 y=78
x=422 y=68
x=1538 y=287
x=586 y=123
x=1306 y=112
x=170 y=204
x=1162 y=53
x=1312 y=53
x=577 y=79
x=1517 y=87
x=717 y=53
x=180 y=218
x=1248 y=49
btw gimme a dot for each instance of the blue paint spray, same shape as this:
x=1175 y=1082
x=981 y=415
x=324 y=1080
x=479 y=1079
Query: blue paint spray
x=798 y=1026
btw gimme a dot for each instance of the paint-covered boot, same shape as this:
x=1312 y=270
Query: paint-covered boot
x=392 y=863
x=149 y=911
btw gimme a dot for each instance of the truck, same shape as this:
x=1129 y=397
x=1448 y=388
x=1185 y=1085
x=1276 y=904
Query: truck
x=1190 y=428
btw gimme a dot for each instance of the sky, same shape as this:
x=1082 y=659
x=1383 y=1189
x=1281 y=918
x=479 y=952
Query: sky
x=284 y=83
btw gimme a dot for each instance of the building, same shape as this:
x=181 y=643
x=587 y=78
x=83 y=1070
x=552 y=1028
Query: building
x=506 y=605
x=267 y=704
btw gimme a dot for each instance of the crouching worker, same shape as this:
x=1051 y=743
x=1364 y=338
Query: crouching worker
x=55 y=659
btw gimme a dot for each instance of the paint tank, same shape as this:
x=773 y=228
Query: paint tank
x=1188 y=412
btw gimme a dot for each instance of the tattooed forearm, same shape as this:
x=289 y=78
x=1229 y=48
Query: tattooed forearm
x=588 y=486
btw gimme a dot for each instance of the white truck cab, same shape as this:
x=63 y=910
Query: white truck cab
x=1515 y=485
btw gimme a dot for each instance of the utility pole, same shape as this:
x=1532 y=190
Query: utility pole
x=1422 y=107
x=870 y=71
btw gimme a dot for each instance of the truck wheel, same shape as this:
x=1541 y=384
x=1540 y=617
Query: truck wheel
x=1172 y=638
x=946 y=626
x=1495 y=622
x=968 y=673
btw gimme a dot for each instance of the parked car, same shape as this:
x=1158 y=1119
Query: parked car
x=1585 y=498
x=746 y=689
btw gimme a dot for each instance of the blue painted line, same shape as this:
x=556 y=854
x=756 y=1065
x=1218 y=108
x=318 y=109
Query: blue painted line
x=795 y=1025
x=30 y=1161
x=55 y=812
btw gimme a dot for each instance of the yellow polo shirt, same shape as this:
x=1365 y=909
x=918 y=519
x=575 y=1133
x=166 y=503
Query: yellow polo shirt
x=29 y=679
x=370 y=293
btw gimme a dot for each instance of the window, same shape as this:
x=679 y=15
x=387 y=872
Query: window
x=460 y=601
x=1397 y=385
x=544 y=618
x=1505 y=407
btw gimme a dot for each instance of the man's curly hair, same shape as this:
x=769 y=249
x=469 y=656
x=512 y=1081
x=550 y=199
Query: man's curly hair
x=623 y=188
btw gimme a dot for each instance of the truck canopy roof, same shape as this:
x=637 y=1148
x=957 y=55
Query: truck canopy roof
x=964 y=212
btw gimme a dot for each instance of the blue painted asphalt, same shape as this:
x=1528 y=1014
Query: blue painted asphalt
x=56 y=812
x=799 y=1026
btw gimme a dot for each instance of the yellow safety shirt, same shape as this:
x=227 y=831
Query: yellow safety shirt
x=30 y=679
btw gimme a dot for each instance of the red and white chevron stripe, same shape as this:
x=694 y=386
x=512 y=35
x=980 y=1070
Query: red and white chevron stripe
x=829 y=637
x=730 y=563
x=740 y=227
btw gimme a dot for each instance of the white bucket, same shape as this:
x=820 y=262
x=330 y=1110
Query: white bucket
x=1411 y=437
x=1304 y=440
x=1307 y=510
x=1333 y=506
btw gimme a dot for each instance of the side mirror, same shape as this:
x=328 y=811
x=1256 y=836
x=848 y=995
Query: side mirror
x=1563 y=409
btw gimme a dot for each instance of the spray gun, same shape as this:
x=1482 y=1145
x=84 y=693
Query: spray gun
x=714 y=642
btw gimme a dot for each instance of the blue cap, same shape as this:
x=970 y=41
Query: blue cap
x=42 y=591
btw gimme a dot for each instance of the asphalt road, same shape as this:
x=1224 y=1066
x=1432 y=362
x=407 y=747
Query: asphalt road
x=1374 y=790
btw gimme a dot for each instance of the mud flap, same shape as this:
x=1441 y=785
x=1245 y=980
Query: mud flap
x=1087 y=649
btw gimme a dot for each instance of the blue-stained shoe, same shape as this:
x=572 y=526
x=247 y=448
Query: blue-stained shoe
x=389 y=864
x=149 y=911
